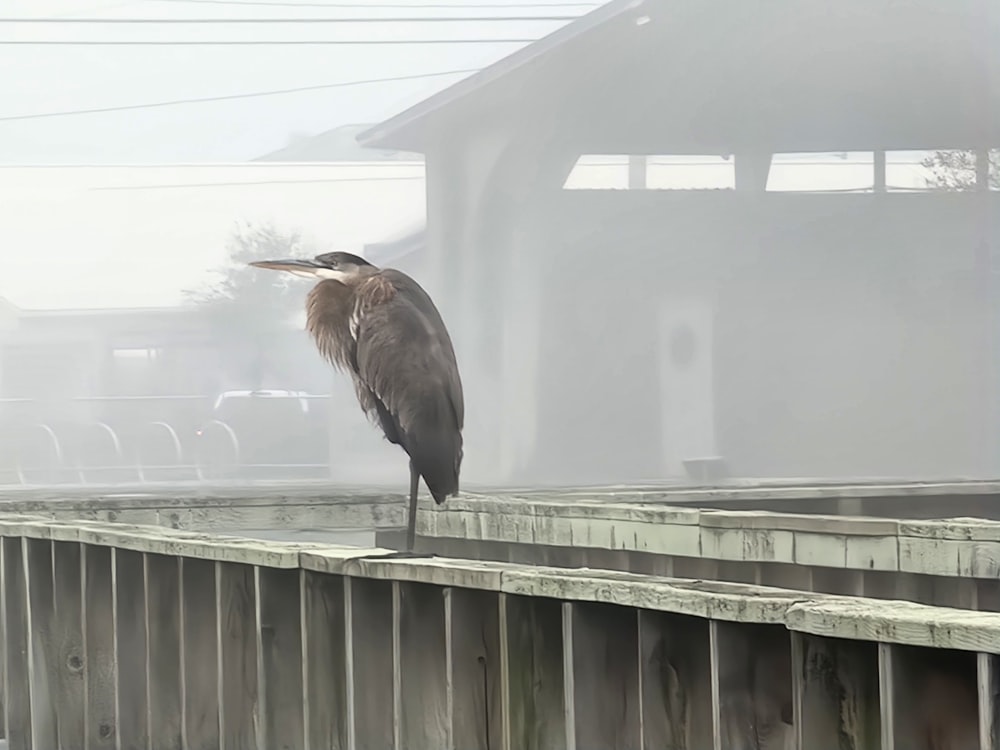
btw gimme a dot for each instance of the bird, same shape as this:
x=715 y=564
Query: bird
x=381 y=327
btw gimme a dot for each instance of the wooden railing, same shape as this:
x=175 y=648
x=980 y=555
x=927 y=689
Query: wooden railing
x=123 y=636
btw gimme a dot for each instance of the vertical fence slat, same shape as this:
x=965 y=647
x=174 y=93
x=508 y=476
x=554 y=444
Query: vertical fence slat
x=15 y=602
x=886 y=696
x=988 y=682
x=200 y=655
x=130 y=635
x=397 y=679
x=569 y=675
x=836 y=692
x=476 y=667
x=606 y=696
x=98 y=643
x=37 y=560
x=372 y=658
x=281 y=658
x=715 y=669
x=423 y=662
x=675 y=670
x=752 y=678
x=236 y=623
x=4 y=688
x=68 y=608
x=164 y=648
x=534 y=651
x=324 y=661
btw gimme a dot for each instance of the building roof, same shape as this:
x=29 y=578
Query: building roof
x=725 y=76
x=398 y=131
x=335 y=145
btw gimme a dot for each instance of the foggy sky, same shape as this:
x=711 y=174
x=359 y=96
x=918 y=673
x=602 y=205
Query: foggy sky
x=55 y=78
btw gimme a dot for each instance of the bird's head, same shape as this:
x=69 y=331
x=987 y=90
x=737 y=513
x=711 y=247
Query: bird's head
x=338 y=266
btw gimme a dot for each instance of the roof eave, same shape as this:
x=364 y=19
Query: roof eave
x=398 y=131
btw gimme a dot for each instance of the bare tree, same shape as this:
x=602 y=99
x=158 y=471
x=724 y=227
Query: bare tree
x=246 y=310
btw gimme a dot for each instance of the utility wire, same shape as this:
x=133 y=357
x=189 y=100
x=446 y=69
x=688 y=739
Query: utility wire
x=403 y=6
x=227 y=97
x=165 y=186
x=255 y=42
x=410 y=19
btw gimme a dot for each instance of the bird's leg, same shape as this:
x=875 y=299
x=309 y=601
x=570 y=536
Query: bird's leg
x=411 y=525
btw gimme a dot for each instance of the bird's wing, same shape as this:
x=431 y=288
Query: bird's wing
x=413 y=293
x=403 y=331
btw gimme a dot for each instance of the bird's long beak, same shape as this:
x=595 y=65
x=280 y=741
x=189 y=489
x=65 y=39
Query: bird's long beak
x=298 y=266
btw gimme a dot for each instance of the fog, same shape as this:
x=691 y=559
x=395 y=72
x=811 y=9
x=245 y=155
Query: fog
x=673 y=242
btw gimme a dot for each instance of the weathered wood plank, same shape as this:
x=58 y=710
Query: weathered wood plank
x=836 y=693
x=675 y=674
x=68 y=635
x=131 y=655
x=897 y=622
x=324 y=661
x=236 y=620
x=606 y=688
x=99 y=650
x=477 y=710
x=37 y=561
x=934 y=698
x=165 y=657
x=425 y=719
x=282 y=698
x=753 y=676
x=15 y=615
x=535 y=687
x=371 y=642
x=200 y=653
x=988 y=693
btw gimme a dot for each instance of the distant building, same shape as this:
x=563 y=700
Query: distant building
x=608 y=335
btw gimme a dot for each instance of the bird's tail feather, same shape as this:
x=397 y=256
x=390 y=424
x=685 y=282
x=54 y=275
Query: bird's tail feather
x=439 y=463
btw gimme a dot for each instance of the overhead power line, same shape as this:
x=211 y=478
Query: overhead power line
x=227 y=97
x=167 y=186
x=253 y=42
x=400 y=6
x=408 y=19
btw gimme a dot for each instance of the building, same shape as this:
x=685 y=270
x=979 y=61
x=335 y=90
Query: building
x=609 y=335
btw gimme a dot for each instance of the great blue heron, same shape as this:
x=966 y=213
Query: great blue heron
x=380 y=326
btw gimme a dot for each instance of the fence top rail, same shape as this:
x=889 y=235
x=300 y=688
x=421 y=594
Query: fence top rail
x=855 y=618
x=683 y=493
x=510 y=509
